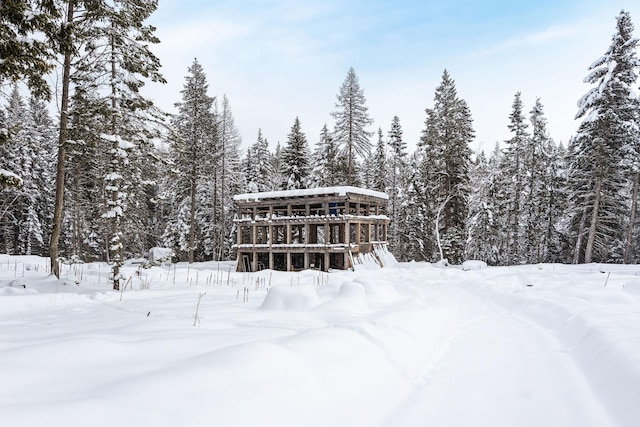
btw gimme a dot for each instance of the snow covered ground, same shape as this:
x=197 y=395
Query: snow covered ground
x=413 y=345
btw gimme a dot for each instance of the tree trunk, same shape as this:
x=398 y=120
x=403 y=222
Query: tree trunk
x=216 y=218
x=588 y=252
x=223 y=192
x=438 y=226
x=192 y=221
x=62 y=140
x=632 y=219
x=578 y=248
x=115 y=245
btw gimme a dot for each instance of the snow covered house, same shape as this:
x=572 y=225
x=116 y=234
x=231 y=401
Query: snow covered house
x=319 y=228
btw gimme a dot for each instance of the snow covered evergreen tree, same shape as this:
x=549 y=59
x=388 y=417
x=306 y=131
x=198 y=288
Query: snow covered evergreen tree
x=447 y=156
x=194 y=149
x=296 y=158
x=512 y=169
x=104 y=49
x=25 y=54
x=397 y=174
x=350 y=131
x=608 y=110
x=415 y=223
x=230 y=183
x=483 y=235
x=257 y=166
x=26 y=209
x=380 y=178
x=325 y=160
x=536 y=194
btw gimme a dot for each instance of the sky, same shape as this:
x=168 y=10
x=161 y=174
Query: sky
x=281 y=59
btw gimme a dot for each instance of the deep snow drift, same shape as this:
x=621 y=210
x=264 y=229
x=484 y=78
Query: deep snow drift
x=413 y=345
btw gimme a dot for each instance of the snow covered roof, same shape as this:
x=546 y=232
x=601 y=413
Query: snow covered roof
x=320 y=191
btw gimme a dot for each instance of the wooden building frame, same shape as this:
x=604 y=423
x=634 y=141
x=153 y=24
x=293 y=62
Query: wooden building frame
x=318 y=228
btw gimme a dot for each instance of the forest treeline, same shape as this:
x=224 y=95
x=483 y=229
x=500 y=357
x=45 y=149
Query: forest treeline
x=111 y=176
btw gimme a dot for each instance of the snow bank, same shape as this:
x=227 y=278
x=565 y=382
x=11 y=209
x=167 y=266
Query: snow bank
x=473 y=265
x=301 y=297
x=536 y=345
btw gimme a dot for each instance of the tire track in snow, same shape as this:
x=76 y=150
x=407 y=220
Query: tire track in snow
x=500 y=369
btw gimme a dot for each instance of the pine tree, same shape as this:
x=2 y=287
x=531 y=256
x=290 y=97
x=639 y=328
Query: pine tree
x=24 y=52
x=325 y=170
x=536 y=162
x=447 y=156
x=25 y=209
x=397 y=177
x=609 y=112
x=380 y=179
x=512 y=169
x=295 y=158
x=415 y=219
x=194 y=127
x=483 y=228
x=127 y=61
x=17 y=158
x=257 y=166
x=350 y=131
x=230 y=182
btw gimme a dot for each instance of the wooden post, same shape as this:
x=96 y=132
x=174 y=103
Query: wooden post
x=254 y=261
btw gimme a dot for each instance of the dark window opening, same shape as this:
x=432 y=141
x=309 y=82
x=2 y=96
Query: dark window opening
x=316 y=261
x=279 y=262
x=297 y=262
x=336 y=261
x=263 y=260
x=245 y=233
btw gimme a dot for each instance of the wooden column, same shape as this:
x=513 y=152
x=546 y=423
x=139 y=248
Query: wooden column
x=347 y=233
x=254 y=261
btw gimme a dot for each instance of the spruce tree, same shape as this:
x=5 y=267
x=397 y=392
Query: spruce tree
x=25 y=54
x=608 y=111
x=445 y=141
x=295 y=157
x=192 y=147
x=257 y=166
x=397 y=181
x=536 y=162
x=325 y=169
x=229 y=169
x=380 y=178
x=512 y=169
x=483 y=228
x=350 y=131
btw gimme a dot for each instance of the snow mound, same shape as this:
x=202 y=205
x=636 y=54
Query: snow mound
x=294 y=298
x=473 y=265
x=351 y=297
x=632 y=287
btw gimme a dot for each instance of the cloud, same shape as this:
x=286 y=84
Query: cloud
x=549 y=35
